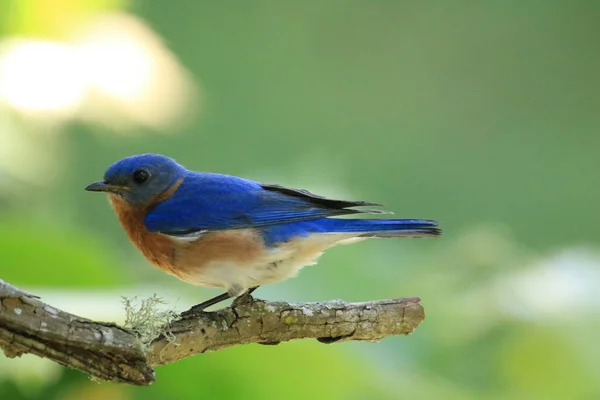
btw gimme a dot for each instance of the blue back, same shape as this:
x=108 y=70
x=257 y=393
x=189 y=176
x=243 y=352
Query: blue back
x=207 y=201
x=213 y=202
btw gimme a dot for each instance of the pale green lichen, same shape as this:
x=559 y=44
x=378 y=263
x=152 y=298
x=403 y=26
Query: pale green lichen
x=147 y=320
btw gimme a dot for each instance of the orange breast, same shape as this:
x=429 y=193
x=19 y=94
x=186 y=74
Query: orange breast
x=157 y=248
x=182 y=258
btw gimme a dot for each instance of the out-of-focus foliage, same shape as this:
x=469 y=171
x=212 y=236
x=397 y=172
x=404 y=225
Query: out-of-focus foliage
x=482 y=115
x=50 y=258
x=44 y=18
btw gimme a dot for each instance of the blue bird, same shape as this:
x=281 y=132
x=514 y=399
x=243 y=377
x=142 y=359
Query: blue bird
x=226 y=232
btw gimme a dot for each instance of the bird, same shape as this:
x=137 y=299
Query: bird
x=222 y=231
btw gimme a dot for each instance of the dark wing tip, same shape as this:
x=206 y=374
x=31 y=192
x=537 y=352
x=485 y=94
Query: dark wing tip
x=365 y=203
x=317 y=199
x=286 y=190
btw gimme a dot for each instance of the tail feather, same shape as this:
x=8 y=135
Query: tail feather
x=409 y=233
x=385 y=228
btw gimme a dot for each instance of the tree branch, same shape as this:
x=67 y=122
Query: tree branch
x=109 y=352
x=101 y=350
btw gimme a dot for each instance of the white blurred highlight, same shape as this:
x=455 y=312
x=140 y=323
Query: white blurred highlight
x=114 y=71
x=557 y=288
x=40 y=76
x=116 y=64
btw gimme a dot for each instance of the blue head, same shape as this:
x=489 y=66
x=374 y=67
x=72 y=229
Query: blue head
x=140 y=178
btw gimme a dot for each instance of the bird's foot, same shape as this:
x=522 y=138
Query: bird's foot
x=245 y=298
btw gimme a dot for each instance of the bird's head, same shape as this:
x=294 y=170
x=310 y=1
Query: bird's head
x=139 y=179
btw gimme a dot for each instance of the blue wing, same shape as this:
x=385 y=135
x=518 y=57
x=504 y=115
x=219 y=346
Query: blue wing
x=207 y=201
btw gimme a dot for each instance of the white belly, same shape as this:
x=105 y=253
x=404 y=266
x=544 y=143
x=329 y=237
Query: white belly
x=275 y=265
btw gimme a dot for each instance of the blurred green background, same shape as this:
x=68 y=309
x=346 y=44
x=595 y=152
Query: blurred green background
x=482 y=115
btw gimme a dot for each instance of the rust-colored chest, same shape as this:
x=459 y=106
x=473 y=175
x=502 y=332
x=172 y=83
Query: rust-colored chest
x=192 y=259
x=157 y=248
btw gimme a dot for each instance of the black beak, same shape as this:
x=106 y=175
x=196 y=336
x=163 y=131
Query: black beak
x=103 y=187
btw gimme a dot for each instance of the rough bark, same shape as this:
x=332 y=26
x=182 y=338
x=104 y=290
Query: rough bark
x=109 y=352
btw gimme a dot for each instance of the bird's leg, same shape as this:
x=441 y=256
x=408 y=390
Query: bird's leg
x=208 y=303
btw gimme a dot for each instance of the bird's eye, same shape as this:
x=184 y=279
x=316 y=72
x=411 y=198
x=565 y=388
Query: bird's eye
x=140 y=176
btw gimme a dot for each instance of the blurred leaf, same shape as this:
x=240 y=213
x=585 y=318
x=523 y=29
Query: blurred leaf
x=49 y=18
x=298 y=370
x=34 y=253
x=541 y=362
